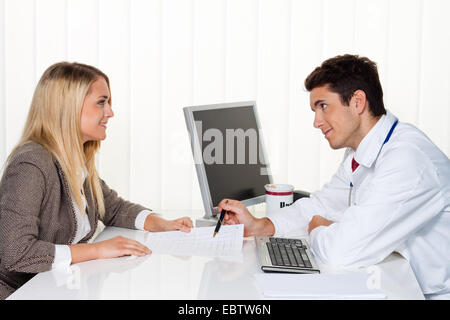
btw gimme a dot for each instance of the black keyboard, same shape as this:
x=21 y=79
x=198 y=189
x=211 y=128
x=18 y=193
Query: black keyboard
x=288 y=252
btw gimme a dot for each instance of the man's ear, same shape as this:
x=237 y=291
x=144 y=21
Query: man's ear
x=360 y=101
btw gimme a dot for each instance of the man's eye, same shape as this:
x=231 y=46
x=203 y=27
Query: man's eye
x=323 y=106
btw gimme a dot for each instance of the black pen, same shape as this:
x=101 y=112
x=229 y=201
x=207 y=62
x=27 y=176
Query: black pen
x=219 y=223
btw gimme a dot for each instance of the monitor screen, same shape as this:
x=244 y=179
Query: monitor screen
x=232 y=163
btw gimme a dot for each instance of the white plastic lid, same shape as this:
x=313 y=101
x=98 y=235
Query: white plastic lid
x=279 y=187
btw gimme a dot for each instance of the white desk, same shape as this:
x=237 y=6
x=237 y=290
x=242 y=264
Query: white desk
x=169 y=277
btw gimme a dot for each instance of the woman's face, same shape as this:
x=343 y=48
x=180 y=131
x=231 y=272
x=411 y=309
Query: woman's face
x=96 y=112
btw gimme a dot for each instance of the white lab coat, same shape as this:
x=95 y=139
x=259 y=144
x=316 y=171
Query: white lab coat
x=400 y=201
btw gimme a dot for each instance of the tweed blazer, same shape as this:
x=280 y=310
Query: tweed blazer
x=36 y=212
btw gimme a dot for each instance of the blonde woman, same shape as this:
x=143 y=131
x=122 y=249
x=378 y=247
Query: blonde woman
x=51 y=197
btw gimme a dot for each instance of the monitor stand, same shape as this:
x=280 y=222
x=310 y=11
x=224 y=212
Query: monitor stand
x=206 y=222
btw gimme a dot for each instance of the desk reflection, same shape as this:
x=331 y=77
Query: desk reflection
x=226 y=278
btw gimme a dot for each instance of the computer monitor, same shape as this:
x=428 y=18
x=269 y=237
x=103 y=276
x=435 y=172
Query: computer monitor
x=229 y=153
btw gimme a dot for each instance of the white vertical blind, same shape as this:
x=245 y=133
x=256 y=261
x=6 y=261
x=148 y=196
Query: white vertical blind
x=145 y=86
x=50 y=34
x=2 y=86
x=273 y=80
x=19 y=71
x=404 y=48
x=177 y=62
x=163 y=55
x=82 y=29
x=434 y=83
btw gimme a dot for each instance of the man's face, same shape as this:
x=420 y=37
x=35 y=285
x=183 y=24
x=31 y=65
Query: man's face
x=339 y=123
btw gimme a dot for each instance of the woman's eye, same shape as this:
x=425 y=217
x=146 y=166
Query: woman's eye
x=101 y=102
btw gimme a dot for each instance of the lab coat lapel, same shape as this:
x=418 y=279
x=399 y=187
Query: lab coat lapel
x=370 y=148
x=371 y=144
x=358 y=176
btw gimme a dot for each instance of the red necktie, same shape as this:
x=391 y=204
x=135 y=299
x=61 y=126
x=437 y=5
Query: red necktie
x=354 y=164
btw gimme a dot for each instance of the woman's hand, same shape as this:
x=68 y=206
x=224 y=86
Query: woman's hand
x=120 y=246
x=155 y=223
x=116 y=247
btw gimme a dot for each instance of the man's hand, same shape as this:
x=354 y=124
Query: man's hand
x=317 y=221
x=237 y=213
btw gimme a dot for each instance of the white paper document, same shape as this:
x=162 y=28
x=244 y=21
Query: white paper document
x=198 y=242
x=322 y=286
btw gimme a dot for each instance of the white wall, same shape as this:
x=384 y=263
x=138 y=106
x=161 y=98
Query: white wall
x=162 y=55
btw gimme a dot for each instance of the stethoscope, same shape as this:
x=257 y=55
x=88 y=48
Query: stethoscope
x=385 y=140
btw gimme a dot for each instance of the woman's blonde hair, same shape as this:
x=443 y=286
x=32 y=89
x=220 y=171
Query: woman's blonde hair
x=54 y=122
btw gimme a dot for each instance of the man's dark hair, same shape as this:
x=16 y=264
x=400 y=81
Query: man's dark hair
x=347 y=73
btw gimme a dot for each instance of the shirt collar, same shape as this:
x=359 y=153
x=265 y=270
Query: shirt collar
x=370 y=146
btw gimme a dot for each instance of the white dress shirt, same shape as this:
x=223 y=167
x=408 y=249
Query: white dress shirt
x=63 y=257
x=400 y=201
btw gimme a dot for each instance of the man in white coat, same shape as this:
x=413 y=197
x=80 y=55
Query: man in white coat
x=390 y=193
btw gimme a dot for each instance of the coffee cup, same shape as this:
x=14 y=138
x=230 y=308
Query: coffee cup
x=278 y=196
